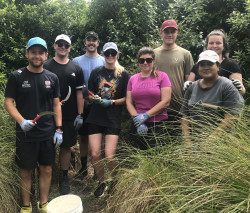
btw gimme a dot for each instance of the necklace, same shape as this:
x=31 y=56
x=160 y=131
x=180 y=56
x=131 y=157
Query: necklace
x=109 y=73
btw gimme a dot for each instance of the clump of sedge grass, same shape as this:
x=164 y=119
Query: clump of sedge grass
x=9 y=193
x=214 y=178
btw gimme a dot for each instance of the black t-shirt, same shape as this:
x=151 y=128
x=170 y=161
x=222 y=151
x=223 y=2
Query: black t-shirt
x=103 y=83
x=227 y=67
x=33 y=94
x=69 y=74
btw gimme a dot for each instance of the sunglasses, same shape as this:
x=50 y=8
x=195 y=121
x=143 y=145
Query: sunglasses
x=107 y=53
x=142 y=60
x=60 y=44
x=206 y=63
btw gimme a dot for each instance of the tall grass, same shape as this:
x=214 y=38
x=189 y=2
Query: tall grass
x=9 y=181
x=215 y=178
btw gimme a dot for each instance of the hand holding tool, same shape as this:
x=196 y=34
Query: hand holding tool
x=27 y=125
x=105 y=103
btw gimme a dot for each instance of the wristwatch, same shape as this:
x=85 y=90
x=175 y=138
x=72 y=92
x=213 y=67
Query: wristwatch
x=113 y=102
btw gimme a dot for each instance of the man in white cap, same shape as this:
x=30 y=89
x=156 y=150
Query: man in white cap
x=177 y=63
x=33 y=91
x=71 y=82
x=90 y=60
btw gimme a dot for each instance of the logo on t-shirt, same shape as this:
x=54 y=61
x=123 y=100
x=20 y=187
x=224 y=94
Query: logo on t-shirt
x=47 y=84
x=73 y=74
x=25 y=84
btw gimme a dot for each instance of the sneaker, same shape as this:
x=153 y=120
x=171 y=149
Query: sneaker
x=82 y=173
x=26 y=209
x=99 y=192
x=43 y=209
x=64 y=187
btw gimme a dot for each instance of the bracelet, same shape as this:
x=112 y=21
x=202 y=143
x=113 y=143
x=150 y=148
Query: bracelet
x=59 y=127
x=81 y=114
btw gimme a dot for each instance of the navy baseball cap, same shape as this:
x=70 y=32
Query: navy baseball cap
x=37 y=41
x=91 y=34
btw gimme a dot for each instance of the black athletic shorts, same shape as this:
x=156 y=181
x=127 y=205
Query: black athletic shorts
x=96 y=129
x=30 y=154
x=69 y=134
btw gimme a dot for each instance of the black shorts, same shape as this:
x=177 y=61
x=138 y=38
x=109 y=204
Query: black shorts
x=30 y=154
x=96 y=129
x=69 y=134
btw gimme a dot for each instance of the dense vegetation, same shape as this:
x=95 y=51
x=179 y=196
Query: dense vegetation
x=192 y=180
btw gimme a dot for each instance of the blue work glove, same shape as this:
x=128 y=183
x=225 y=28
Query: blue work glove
x=96 y=99
x=58 y=138
x=142 y=129
x=27 y=125
x=237 y=84
x=105 y=103
x=139 y=119
x=78 y=122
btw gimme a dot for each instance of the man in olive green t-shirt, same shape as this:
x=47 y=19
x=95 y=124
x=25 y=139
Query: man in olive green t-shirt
x=176 y=62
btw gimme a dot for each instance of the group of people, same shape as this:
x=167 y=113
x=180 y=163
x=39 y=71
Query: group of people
x=51 y=92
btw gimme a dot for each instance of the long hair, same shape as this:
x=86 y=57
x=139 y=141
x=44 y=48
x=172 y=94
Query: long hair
x=150 y=51
x=220 y=32
x=118 y=69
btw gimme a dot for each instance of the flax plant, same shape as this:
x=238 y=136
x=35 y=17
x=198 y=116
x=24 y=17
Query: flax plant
x=212 y=177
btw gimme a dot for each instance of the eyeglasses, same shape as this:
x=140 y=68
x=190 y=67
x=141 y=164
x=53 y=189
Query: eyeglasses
x=107 y=53
x=142 y=60
x=206 y=63
x=60 y=44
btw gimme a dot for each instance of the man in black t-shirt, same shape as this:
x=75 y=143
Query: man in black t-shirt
x=71 y=79
x=32 y=91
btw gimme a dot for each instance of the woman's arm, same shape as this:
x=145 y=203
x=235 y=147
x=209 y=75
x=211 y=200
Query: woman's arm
x=238 y=76
x=130 y=106
x=163 y=104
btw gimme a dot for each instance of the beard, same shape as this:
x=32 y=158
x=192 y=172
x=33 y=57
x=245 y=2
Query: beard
x=36 y=65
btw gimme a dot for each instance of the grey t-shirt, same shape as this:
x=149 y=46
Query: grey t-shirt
x=210 y=104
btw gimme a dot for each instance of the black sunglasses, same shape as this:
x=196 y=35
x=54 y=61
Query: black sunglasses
x=107 y=53
x=60 y=44
x=142 y=60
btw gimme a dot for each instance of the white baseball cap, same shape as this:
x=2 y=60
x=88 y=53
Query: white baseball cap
x=209 y=55
x=63 y=37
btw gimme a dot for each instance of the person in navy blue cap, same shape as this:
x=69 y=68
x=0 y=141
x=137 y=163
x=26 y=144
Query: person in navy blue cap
x=30 y=91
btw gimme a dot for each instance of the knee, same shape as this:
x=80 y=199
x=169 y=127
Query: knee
x=46 y=170
x=24 y=174
x=96 y=155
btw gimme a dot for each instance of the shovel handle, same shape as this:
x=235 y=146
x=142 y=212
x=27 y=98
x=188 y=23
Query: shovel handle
x=91 y=93
x=36 y=118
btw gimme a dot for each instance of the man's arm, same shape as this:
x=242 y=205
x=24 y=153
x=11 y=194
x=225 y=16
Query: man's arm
x=80 y=101
x=57 y=109
x=186 y=131
x=12 y=110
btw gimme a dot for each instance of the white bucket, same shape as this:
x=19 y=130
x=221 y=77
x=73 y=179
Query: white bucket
x=65 y=204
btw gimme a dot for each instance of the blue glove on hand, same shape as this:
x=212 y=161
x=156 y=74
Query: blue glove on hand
x=139 y=119
x=58 y=138
x=237 y=84
x=105 y=103
x=142 y=129
x=27 y=125
x=78 y=122
x=96 y=99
